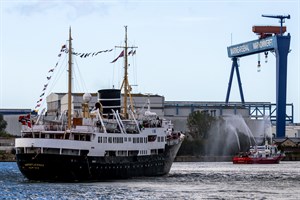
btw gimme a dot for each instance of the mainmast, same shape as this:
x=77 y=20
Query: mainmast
x=125 y=82
x=70 y=83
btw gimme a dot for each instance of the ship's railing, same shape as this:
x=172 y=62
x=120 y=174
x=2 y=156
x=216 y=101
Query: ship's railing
x=84 y=129
x=37 y=128
x=174 y=138
x=173 y=141
x=55 y=128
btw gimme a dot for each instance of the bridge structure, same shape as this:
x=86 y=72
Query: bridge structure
x=271 y=38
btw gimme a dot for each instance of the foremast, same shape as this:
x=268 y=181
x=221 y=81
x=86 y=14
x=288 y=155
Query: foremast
x=70 y=83
x=125 y=83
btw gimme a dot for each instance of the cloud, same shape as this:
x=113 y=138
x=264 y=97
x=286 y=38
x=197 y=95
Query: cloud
x=30 y=7
x=72 y=9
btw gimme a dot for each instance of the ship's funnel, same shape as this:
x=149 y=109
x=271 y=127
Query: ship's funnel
x=110 y=99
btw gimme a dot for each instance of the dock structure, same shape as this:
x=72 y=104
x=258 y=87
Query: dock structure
x=271 y=38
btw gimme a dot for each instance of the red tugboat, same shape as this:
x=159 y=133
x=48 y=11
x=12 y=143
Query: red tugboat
x=266 y=154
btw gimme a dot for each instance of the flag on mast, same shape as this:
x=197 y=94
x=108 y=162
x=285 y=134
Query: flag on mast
x=121 y=55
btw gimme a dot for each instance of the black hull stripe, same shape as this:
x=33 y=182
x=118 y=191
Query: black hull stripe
x=69 y=168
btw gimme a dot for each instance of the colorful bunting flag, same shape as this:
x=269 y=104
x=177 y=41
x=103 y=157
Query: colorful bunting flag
x=64 y=49
x=121 y=55
x=85 y=55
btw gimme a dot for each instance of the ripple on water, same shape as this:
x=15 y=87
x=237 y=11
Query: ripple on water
x=185 y=181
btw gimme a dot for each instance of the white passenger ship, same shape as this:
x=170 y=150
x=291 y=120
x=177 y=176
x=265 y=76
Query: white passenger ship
x=110 y=142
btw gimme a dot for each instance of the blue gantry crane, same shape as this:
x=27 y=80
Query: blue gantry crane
x=272 y=38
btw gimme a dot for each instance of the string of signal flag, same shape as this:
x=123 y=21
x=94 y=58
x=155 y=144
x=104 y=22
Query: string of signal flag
x=64 y=49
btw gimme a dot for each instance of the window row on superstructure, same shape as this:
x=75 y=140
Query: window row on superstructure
x=102 y=139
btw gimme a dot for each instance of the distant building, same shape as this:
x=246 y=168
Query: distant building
x=292 y=130
x=6 y=144
x=177 y=111
x=57 y=103
x=11 y=116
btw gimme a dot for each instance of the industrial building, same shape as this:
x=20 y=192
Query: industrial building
x=11 y=116
x=57 y=103
x=177 y=111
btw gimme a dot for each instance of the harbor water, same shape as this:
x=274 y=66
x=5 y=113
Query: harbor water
x=186 y=180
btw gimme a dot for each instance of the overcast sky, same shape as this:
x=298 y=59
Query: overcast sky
x=181 y=54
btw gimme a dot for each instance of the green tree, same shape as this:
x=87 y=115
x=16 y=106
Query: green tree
x=191 y=148
x=199 y=123
x=3 y=124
